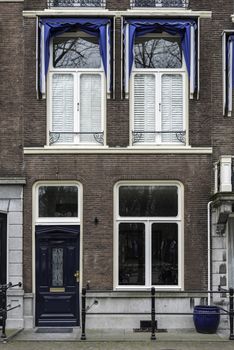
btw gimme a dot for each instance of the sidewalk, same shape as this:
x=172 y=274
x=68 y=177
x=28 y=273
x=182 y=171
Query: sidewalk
x=118 y=340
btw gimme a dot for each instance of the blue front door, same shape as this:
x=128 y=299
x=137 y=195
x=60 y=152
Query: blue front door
x=57 y=275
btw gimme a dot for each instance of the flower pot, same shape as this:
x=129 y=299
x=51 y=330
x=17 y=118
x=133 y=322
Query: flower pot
x=206 y=318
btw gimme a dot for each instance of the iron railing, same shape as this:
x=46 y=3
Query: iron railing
x=159 y=3
x=4 y=308
x=175 y=136
x=76 y=3
x=153 y=312
x=56 y=136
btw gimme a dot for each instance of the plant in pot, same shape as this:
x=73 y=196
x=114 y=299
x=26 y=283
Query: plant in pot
x=206 y=318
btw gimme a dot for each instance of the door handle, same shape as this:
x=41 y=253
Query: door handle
x=77 y=276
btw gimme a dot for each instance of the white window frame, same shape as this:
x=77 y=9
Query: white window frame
x=57 y=220
x=159 y=72
x=148 y=221
x=77 y=73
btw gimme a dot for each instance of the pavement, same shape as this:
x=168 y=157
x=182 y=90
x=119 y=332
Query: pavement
x=117 y=340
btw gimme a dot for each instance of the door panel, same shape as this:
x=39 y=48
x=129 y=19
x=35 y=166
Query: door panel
x=57 y=289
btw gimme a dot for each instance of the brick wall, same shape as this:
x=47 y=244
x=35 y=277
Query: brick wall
x=98 y=175
x=11 y=88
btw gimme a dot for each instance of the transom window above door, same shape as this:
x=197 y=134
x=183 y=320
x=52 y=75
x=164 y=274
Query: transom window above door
x=57 y=202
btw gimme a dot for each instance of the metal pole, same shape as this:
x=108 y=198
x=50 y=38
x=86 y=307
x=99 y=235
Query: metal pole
x=3 y=309
x=83 y=314
x=231 y=313
x=153 y=337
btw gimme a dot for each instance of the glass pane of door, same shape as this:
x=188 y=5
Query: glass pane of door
x=165 y=254
x=57 y=267
x=131 y=254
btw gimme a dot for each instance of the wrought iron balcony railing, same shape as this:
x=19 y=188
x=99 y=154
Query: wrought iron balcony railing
x=159 y=3
x=57 y=137
x=177 y=136
x=76 y=3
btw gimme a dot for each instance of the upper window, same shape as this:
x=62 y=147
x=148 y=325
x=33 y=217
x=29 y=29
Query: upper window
x=160 y=3
x=159 y=76
x=148 y=225
x=158 y=90
x=158 y=52
x=77 y=90
x=76 y=3
x=74 y=73
x=76 y=52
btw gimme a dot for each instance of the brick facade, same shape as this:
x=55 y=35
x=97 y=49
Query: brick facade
x=23 y=125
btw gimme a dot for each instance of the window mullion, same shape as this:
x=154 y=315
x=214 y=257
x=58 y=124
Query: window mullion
x=158 y=106
x=77 y=106
x=148 y=250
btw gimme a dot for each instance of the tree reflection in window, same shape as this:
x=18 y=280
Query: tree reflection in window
x=132 y=254
x=141 y=201
x=165 y=254
x=58 y=201
x=76 y=52
x=158 y=52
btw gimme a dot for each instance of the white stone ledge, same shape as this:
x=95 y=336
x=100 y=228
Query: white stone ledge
x=117 y=150
x=129 y=13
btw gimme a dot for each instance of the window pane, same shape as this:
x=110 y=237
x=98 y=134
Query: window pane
x=144 y=108
x=131 y=254
x=61 y=201
x=90 y=107
x=63 y=107
x=158 y=52
x=165 y=254
x=57 y=267
x=76 y=52
x=148 y=201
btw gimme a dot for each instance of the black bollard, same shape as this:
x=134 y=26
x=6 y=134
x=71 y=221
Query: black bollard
x=3 y=306
x=231 y=313
x=153 y=337
x=83 y=314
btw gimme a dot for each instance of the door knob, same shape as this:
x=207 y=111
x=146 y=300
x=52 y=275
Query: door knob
x=77 y=276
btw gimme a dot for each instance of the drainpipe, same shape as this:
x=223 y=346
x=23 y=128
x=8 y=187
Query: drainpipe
x=209 y=248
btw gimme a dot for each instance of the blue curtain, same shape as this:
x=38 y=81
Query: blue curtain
x=140 y=27
x=56 y=26
x=230 y=46
x=229 y=73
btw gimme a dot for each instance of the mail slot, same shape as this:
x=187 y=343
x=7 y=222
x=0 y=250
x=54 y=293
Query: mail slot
x=57 y=290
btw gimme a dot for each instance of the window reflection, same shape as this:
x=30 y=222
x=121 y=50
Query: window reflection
x=148 y=201
x=165 y=254
x=158 y=52
x=132 y=254
x=58 y=201
x=76 y=52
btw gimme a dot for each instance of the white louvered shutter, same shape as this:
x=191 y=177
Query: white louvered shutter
x=172 y=106
x=144 y=108
x=90 y=106
x=63 y=106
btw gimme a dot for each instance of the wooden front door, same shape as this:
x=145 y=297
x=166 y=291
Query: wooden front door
x=57 y=276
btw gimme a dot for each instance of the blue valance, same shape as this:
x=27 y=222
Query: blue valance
x=51 y=27
x=184 y=27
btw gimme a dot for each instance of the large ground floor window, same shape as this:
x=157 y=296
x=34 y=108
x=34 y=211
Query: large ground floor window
x=149 y=245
